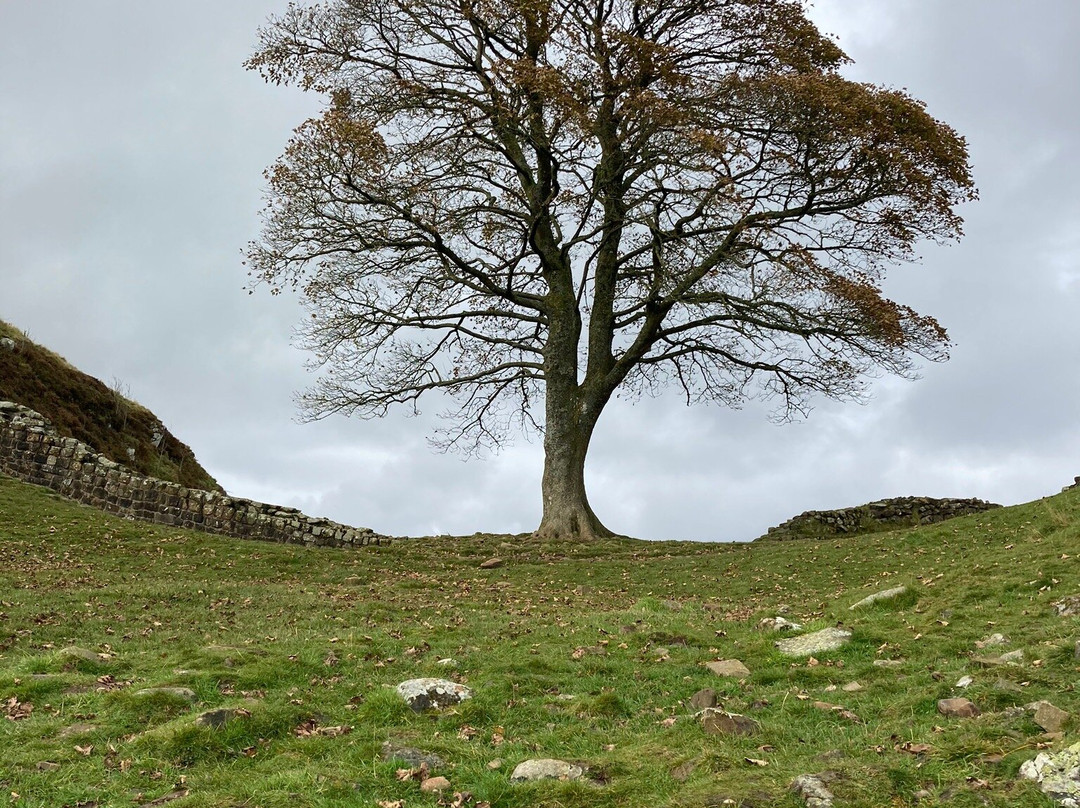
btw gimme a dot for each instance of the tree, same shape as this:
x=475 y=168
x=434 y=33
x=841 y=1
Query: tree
x=514 y=199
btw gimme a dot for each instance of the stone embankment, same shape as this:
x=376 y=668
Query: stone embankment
x=32 y=451
x=885 y=514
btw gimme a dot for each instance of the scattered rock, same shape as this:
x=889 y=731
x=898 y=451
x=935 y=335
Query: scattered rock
x=413 y=757
x=1067 y=607
x=545 y=769
x=885 y=594
x=1049 y=717
x=76 y=729
x=682 y=772
x=179 y=692
x=828 y=639
x=448 y=662
x=891 y=664
x=728 y=667
x=957 y=708
x=434 y=785
x=74 y=653
x=47 y=766
x=491 y=564
x=852 y=687
x=427 y=693
x=812 y=791
x=703 y=699
x=7 y=344
x=719 y=722
x=1005 y=686
x=1076 y=650
x=495 y=764
x=779 y=624
x=1012 y=657
x=993 y=639
x=1058 y=775
x=964 y=681
x=215 y=719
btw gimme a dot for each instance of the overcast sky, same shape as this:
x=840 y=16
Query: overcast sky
x=132 y=145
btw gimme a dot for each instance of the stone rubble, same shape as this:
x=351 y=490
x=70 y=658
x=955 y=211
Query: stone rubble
x=886 y=594
x=812 y=791
x=1058 y=775
x=828 y=639
x=429 y=693
x=545 y=769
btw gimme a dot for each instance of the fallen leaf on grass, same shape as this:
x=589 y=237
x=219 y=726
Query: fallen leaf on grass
x=420 y=772
x=756 y=761
x=310 y=728
x=913 y=748
x=467 y=733
x=391 y=803
x=16 y=710
x=84 y=750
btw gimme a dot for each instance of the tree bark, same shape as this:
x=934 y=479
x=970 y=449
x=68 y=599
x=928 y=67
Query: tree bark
x=567 y=513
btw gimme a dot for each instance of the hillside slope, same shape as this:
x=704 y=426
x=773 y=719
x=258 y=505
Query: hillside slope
x=84 y=408
x=591 y=653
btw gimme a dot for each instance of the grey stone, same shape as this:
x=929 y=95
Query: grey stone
x=1057 y=775
x=703 y=699
x=852 y=687
x=491 y=563
x=828 y=639
x=1076 y=650
x=74 y=652
x=779 y=624
x=885 y=594
x=545 y=769
x=428 y=693
x=7 y=344
x=413 y=757
x=180 y=692
x=76 y=729
x=993 y=639
x=964 y=681
x=1067 y=607
x=891 y=664
x=812 y=791
x=728 y=667
x=720 y=722
x=958 y=708
x=215 y=719
x=1012 y=657
x=1049 y=717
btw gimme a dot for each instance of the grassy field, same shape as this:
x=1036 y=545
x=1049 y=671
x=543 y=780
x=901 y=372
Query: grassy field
x=588 y=653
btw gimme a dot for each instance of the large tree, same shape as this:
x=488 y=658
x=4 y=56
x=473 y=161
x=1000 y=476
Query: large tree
x=521 y=200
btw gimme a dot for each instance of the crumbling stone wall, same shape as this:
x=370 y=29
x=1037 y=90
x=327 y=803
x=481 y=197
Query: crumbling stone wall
x=885 y=514
x=32 y=451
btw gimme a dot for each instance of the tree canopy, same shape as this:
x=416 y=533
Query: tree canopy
x=532 y=204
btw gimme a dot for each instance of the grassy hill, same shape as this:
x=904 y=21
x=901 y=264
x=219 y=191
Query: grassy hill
x=587 y=653
x=82 y=407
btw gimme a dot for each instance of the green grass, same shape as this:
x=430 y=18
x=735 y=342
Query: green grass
x=300 y=638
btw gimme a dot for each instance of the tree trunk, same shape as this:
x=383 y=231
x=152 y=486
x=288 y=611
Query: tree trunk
x=567 y=514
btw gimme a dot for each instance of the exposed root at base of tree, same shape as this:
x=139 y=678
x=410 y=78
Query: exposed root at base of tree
x=571 y=526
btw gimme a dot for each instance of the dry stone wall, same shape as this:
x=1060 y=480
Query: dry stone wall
x=885 y=514
x=32 y=451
